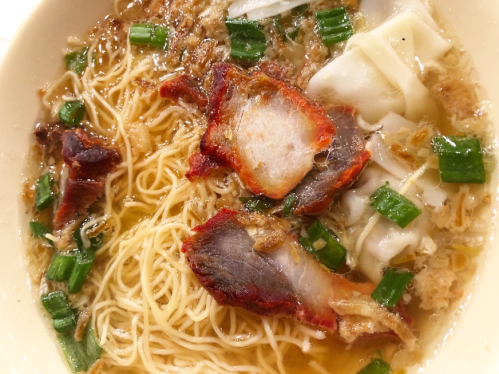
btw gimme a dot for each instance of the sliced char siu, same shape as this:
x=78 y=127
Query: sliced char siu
x=263 y=129
x=344 y=161
x=49 y=137
x=272 y=284
x=89 y=161
x=282 y=281
x=270 y=135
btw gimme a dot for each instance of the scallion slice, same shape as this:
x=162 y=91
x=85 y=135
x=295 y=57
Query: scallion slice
x=277 y=24
x=288 y=204
x=294 y=33
x=72 y=112
x=44 y=195
x=82 y=266
x=459 y=159
x=57 y=304
x=149 y=34
x=334 y=25
x=83 y=354
x=299 y=10
x=247 y=41
x=77 y=61
x=377 y=366
x=64 y=324
x=61 y=267
x=141 y=33
x=39 y=230
x=392 y=287
x=160 y=37
x=95 y=242
x=324 y=246
x=394 y=206
x=257 y=203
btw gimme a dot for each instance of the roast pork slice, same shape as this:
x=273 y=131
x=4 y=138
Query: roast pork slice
x=268 y=132
x=89 y=162
x=284 y=282
x=340 y=168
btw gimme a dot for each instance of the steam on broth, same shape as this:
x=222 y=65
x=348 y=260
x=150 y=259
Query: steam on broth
x=257 y=187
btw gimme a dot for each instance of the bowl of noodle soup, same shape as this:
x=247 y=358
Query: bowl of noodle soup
x=149 y=311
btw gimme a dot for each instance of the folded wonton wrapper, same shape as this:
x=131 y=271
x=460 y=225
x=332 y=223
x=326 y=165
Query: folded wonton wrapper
x=379 y=71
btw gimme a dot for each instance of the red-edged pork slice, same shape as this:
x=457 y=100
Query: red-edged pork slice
x=268 y=132
x=287 y=282
x=344 y=161
x=87 y=156
x=89 y=162
x=49 y=136
x=77 y=198
x=184 y=89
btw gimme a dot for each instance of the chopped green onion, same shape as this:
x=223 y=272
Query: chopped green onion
x=149 y=34
x=39 y=230
x=64 y=324
x=377 y=366
x=57 y=304
x=95 y=242
x=72 y=112
x=288 y=204
x=61 y=267
x=83 y=354
x=277 y=24
x=334 y=25
x=77 y=61
x=392 y=287
x=299 y=10
x=247 y=42
x=257 y=203
x=324 y=246
x=141 y=33
x=394 y=206
x=160 y=38
x=44 y=195
x=294 y=33
x=84 y=262
x=459 y=159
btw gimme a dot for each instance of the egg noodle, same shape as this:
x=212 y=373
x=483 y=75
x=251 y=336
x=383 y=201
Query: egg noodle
x=150 y=313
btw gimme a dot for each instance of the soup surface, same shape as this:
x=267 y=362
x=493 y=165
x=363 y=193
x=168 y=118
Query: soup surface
x=334 y=152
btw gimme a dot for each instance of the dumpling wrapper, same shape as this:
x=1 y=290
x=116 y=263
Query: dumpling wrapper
x=378 y=72
x=386 y=240
x=260 y=9
x=377 y=12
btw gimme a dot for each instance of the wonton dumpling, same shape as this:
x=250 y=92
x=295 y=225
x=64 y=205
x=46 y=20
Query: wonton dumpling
x=378 y=72
x=378 y=11
x=386 y=241
x=354 y=79
x=433 y=195
x=393 y=123
x=415 y=42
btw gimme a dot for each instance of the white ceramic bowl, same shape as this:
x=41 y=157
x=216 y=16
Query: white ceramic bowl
x=27 y=343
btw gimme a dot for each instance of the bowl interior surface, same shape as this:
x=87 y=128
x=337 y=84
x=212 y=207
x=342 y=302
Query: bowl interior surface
x=470 y=344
